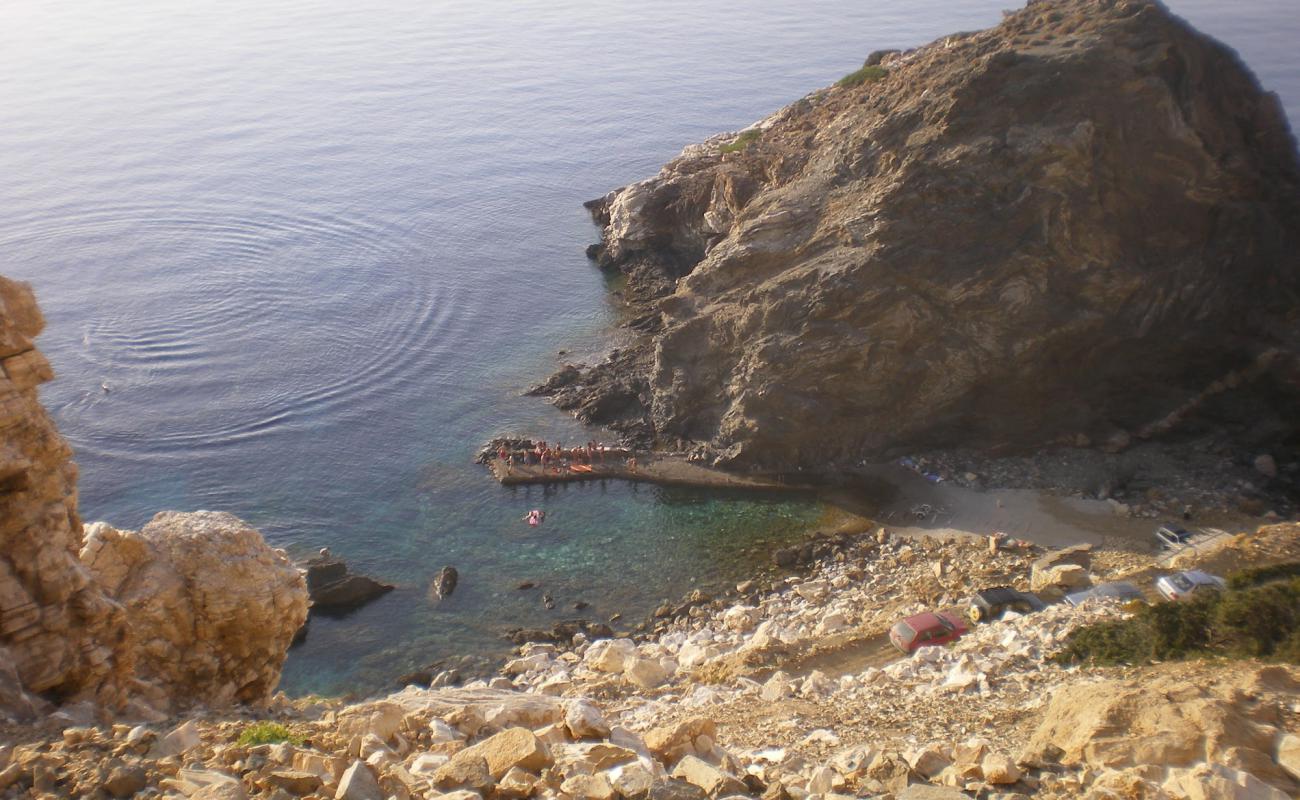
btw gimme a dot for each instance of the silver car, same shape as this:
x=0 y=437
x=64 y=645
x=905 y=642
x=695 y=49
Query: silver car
x=1185 y=585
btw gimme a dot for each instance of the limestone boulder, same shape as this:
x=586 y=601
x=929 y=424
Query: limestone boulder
x=671 y=742
x=513 y=747
x=587 y=787
x=714 y=781
x=584 y=720
x=381 y=719
x=211 y=607
x=517 y=783
x=741 y=618
x=999 y=768
x=647 y=673
x=1162 y=720
x=610 y=655
x=929 y=760
x=464 y=772
x=1288 y=754
x=1219 y=782
x=358 y=783
x=1066 y=577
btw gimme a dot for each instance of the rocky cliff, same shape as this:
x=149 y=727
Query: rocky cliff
x=1069 y=227
x=60 y=636
x=194 y=610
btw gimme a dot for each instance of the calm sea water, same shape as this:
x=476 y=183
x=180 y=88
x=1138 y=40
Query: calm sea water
x=316 y=249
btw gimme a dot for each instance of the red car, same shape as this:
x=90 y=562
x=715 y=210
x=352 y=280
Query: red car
x=924 y=630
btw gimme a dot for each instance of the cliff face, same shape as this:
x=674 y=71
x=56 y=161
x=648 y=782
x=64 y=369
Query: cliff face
x=194 y=610
x=62 y=637
x=1060 y=228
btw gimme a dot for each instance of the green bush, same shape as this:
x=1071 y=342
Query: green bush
x=1257 y=575
x=1114 y=642
x=1256 y=622
x=267 y=733
x=745 y=139
x=865 y=75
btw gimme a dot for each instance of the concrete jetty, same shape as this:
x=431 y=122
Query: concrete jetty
x=666 y=469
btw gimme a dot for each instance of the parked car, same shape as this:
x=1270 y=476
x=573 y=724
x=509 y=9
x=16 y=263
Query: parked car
x=1172 y=536
x=1186 y=585
x=991 y=603
x=1122 y=590
x=923 y=630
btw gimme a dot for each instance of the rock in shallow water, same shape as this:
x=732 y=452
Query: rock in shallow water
x=444 y=583
x=335 y=590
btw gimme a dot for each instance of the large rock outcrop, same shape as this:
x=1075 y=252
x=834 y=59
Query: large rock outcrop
x=1080 y=224
x=210 y=606
x=60 y=636
x=195 y=609
x=1232 y=719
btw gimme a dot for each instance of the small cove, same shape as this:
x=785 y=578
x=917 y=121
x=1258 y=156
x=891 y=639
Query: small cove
x=317 y=251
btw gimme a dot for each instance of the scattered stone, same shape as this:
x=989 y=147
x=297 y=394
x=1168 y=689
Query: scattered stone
x=293 y=781
x=1288 y=754
x=464 y=772
x=182 y=738
x=125 y=781
x=999 y=769
x=585 y=721
x=670 y=743
x=1265 y=465
x=713 y=781
x=517 y=783
x=358 y=783
x=646 y=673
x=513 y=747
x=633 y=781
x=610 y=655
x=588 y=787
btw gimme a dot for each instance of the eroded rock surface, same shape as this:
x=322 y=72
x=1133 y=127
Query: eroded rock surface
x=210 y=606
x=59 y=635
x=1080 y=224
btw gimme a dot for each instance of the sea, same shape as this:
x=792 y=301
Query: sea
x=301 y=258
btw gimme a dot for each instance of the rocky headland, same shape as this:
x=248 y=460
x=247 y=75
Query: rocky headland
x=1076 y=228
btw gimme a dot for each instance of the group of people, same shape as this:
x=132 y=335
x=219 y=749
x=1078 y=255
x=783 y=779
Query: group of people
x=560 y=459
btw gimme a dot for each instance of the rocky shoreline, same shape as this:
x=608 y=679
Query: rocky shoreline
x=790 y=693
x=799 y=256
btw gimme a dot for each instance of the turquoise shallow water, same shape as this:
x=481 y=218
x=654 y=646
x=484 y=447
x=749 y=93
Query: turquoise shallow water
x=316 y=249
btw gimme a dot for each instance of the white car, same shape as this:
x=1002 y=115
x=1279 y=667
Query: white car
x=1186 y=585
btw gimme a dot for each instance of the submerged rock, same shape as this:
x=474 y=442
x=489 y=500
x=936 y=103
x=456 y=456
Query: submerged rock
x=1072 y=223
x=335 y=590
x=444 y=583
